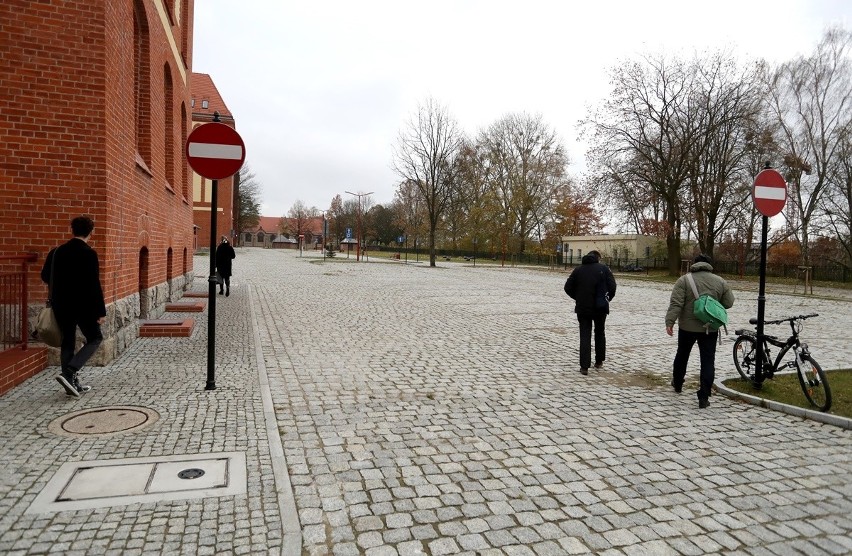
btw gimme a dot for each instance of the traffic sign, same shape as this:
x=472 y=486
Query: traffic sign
x=769 y=192
x=215 y=151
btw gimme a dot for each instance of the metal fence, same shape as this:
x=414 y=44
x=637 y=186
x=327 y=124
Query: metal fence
x=14 y=297
x=824 y=273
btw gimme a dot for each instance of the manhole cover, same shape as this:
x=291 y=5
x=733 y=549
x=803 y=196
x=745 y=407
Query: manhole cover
x=104 y=421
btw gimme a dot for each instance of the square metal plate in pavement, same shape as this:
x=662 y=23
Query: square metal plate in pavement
x=100 y=483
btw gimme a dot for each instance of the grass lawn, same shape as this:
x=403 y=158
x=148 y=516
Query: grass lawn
x=785 y=389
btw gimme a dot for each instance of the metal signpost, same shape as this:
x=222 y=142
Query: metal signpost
x=769 y=193
x=214 y=151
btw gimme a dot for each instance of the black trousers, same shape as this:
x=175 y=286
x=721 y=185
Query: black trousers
x=707 y=353
x=586 y=321
x=72 y=362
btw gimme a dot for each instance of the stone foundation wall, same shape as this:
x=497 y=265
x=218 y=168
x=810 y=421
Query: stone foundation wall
x=121 y=328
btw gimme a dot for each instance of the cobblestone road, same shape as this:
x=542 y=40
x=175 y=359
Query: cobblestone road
x=440 y=411
x=386 y=408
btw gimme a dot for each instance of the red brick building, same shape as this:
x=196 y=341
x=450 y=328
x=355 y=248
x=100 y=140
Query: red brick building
x=283 y=233
x=94 y=114
x=205 y=101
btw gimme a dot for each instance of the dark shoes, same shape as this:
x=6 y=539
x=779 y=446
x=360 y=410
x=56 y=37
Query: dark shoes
x=703 y=404
x=677 y=387
x=221 y=292
x=584 y=371
x=72 y=385
x=599 y=365
x=227 y=292
x=69 y=387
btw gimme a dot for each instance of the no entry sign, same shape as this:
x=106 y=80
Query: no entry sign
x=215 y=151
x=769 y=192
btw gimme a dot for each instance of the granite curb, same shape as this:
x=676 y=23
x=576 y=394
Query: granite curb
x=836 y=420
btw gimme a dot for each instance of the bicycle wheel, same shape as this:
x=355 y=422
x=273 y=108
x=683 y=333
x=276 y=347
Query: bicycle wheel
x=813 y=382
x=745 y=356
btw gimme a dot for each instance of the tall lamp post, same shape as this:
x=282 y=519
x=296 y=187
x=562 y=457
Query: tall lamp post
x=358 y=223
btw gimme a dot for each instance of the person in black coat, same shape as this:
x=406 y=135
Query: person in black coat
x=77 y=300
x=224 y=255
x=591 y=285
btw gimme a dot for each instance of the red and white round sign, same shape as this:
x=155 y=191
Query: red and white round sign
x=769 y=192
x=215 y=151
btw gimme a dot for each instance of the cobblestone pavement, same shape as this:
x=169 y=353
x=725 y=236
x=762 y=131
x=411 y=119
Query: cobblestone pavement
x=440 y=411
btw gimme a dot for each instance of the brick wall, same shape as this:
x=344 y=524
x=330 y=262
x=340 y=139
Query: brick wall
x=17 y=365
x=73 y=139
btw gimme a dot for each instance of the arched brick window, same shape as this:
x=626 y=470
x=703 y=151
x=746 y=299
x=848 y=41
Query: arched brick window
x=142 y=82
x=169 y=128
x=184 y=175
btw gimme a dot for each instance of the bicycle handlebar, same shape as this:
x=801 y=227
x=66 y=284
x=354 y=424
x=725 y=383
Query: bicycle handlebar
x=782 y=321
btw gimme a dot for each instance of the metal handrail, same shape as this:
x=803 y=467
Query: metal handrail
x=14 y=300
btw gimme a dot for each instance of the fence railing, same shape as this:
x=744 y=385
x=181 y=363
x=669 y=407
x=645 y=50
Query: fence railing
x=827 y=273
x=14 y=301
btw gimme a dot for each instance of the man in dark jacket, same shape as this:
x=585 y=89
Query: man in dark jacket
x=691 y=330
x=224 y=255
x=591 y=285
x=77 y=299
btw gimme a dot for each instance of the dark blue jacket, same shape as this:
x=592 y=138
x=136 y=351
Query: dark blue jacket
x=587 y=283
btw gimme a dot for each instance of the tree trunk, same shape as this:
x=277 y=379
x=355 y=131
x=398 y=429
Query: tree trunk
x=431 y=244
x=673 y=245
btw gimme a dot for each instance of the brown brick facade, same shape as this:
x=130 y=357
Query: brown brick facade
x=94 y=112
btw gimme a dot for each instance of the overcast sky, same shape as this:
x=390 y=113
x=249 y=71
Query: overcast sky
x=320 y=89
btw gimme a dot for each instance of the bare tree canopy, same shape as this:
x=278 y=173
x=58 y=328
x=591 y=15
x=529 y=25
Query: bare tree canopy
x=425 y=156
x=811 y=101
x=669 y=145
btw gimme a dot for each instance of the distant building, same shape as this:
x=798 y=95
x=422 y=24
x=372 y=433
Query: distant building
x=613 y=247
x=283 y=233
x=205 y=101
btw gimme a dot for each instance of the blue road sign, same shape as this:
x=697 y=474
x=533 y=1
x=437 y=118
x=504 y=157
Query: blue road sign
x=400 y=239
x=348 y=233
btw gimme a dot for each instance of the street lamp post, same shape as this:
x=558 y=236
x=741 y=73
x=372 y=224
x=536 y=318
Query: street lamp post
x=358 y=223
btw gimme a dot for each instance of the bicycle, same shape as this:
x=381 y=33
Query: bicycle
x=812 y=378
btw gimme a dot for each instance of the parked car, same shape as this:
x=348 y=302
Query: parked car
x=631 y=267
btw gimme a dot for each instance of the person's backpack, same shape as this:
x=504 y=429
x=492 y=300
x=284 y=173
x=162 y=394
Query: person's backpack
x=707 y=309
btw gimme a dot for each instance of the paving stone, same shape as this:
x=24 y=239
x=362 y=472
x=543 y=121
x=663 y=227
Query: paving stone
x=440 y=409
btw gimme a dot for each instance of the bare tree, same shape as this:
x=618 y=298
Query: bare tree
x=811 y=100
x=728 y=101
x=248 y=200
x=425 y=156
x=646 y=131
x=298 y=218
x=838 y=200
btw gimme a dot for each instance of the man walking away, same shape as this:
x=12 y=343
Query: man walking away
x=77 y=300
x=691 y=330
x=224 y=255
x=591 y=285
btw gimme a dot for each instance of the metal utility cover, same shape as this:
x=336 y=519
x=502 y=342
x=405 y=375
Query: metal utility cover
x=101 y=483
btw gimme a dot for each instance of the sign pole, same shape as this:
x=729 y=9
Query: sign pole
x=761 y=305
x=211 y=293
x=769 y=193
x=214 y=151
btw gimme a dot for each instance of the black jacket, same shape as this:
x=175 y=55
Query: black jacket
x=77 y=288
x=587 y=282
x=224 y=255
